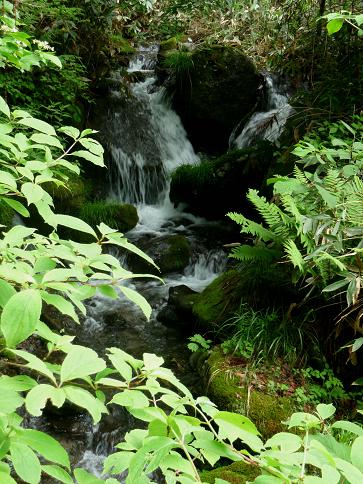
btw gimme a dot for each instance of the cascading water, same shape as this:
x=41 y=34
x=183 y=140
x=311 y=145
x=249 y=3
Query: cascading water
x=145 y=143
x=268 y=124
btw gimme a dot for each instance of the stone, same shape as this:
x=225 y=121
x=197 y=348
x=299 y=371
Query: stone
x=171 y=254
x=229 y=391
x=219 y=89
x=179 y=309
x=217 y=186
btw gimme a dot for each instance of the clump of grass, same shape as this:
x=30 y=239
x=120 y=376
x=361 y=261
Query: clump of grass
x=180 y=61
x=267 y=335
x=120 y=216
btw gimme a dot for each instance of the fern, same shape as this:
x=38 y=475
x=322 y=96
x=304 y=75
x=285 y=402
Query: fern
x=252 y=228
x=294 y=255
x=255 y=253
x=271 y=213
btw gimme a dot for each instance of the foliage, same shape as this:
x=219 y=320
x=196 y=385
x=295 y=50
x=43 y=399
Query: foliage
x=267 y=335
x=198 y=342
x=315 y=219
x=121 y=216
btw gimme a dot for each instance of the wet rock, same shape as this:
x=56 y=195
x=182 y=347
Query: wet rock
x=217 y=186
x=221 y=299
x=179 y=309
x=218 y=89
x=171 y=253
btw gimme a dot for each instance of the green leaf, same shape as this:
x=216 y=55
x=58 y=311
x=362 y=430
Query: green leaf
x=45 y=445
x=45 y=139
x=6 y=292
x=131 y=398
x=325 y=411
x=38 y=125
x=32 y=192
x=84 y=477
x=25 y=462
x=10 y=401
x=35 y=364
x=95 y=159
x=70 y=131
x=38 y=396
x=17 y=206
x=59 y=302
x=356 y=455
x=58 y=473
x=334 y=25
x=20 y=316
x=117 y=463
x=336 y=285
x=138 y=299
x=289 y=443
x=349 y=427
x=19 y=383
x=108 y=291
x=330 y=199
x=80 y=362
x=152 y=361
x=84 y=399
x=74 y=223
x=4 y=108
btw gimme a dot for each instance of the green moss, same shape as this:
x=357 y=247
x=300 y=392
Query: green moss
x=121 y=45
x=220 y=299
x=169 y=44
x=176 y=256
x=236 y=473
x=6 y=215
x=70 y=197
x=120 y=216
x=229 y=392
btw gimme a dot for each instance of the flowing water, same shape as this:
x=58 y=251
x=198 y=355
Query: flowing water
x=145 y=141
x=269 y=123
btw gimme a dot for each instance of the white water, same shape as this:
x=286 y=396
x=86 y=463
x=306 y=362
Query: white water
x=269 y=124
x=146 y=153
x=147 y=142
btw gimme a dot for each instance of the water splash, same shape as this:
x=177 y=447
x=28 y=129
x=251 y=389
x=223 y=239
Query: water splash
x=269 y=124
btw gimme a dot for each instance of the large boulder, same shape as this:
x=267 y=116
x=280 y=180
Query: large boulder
x=217 y=89
x=170 y=253
x=257 y=285
x=229 y=388
x=179 y=309
x=217 y=186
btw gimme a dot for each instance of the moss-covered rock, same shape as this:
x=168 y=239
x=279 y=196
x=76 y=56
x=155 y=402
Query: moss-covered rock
x=212 y=96
x=217 y=186
x=120 y=216
x=170 y=253
x=248 y=284
x=229 y=389
x=236 y=473
x=6 y=215
x=70 y=197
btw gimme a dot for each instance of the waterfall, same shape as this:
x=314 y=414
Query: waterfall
x=147 y=141
x=268 y=124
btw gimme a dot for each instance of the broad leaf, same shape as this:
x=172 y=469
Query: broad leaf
x=20 y=316
x=80 y=362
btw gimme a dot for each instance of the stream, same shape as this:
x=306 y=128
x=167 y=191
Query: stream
x=145 y=141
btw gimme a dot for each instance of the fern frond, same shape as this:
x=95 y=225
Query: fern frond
x=252 y=228
x=255 y=254
x=294 y=255
x=270 y=212
x=300 y=176
x=325 y=256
